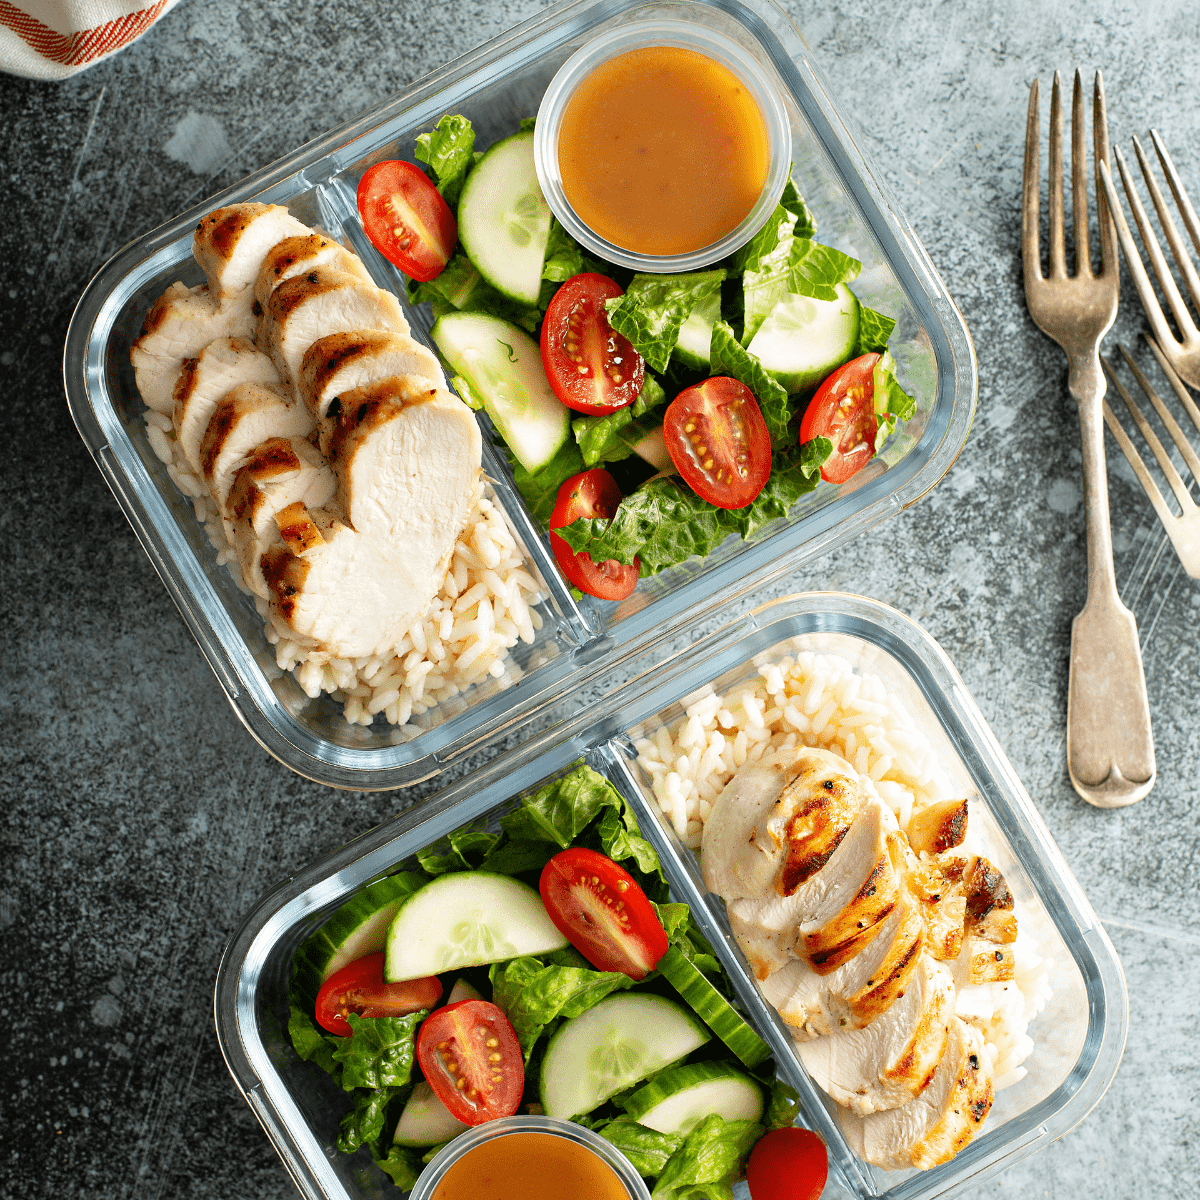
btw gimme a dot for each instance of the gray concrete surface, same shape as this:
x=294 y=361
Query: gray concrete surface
x=140 y=821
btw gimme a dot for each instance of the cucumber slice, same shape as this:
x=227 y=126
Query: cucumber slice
x=616 y=1043
x=653 y=448
x=464 y=920
x=359 y=927
x=712 y=1008
x=802 y=339
x=679 y=1099
x=695 y=334
x=426 y=1121
x=462 y=990
x=504 y=220
x=503 y=367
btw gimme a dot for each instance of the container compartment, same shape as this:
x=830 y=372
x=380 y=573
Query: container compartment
x=495 y=87
x=1078 y=1038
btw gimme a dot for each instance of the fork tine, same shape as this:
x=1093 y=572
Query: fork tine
x=1108 y=233
x=1172 y=426
x=1176 y=383
x=1165 y=515
x=1079 y=184
x=1181 y=197
x=1166 y=281
x=1058 y=249
x=1030 y=193
x=1182 y=259
x=1154 y=314
x=1156 y=447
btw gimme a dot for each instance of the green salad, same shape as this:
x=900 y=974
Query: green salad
x=663 y=1066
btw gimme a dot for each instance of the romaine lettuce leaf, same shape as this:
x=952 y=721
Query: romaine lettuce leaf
x=806 y=223
x=646 y=1148
x=540 y=491
x=728 y=357
x=365 y=1121
x=533 y=993
x=653 y=308
x=777 y=226
x=400 y=1164
x=519 y=856
x=379 y=1053
x=612 y=437
x=449 y=151
x=783 y=1104
x=560 y=811
x=620 y=838
x=564 y=255
x=461 y=850
x=874 y=329
x=310 y=1042
x=797 y=265
x=892 y=403
x=713 y=1153
x=460 y=288
x=665 y=523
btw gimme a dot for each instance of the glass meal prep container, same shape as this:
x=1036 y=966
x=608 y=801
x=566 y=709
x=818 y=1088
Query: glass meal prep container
x=1078 y=1038
x=495 y=86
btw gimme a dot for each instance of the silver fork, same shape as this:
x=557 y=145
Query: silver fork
x=1183 y=529
x=1183 y=352
x=1110 y=749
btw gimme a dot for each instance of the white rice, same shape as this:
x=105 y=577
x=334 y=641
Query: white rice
x=484 y=608
x=820 y=700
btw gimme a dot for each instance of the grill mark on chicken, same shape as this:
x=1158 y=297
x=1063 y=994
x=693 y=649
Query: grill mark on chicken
x=939 y=827
x=285 y=574
x=275 y=458
x=841 y=938
x=816 y=829
x=224 y=230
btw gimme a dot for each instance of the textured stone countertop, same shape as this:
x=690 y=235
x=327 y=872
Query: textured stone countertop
x=141 y=821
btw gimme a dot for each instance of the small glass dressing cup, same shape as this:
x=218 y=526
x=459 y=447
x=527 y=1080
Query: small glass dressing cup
x=639 y=35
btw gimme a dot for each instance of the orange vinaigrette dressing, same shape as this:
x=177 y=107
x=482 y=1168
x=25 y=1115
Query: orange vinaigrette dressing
x=662 y=150
x=530 y=1166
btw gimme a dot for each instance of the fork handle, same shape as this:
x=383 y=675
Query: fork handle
x=1110 y=746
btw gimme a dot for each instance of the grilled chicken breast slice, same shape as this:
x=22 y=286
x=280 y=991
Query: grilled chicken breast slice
x=886 y=1063
x=308 y=307
x=180 y=323
x=406 y=457
x=345 y=361
x=203 y=380
x=858 y=991
x=777 y=824
x=230 y=244
x=295 y=255
x=934 y=1126
x=281 y=472
x=243 y=419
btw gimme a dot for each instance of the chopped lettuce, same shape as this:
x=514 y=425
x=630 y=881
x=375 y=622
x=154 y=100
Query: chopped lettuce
x=620 y=838
x=612 y=437
x=797 y=265
x=364 y=1123
x=892 y=403
x=646 y=1148
x=400 y=1164
x=806 y=223
x=533 y=993
x=379 y=1052
x=460 y=288
x=564 y=255
x=540 y=491
x=727 y=356
x=654 y=307
x=714 y=1153
x=462 y=850
x=449 y=151
x=560 y=811
x=783 y=1104
x=778 y=226
x=874 y=329
x=664 y=522
x=311 y=1042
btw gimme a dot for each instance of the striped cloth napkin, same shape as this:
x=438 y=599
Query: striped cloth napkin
x=52 y=39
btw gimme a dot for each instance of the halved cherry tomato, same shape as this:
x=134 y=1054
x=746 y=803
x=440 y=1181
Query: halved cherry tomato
x=359 y=988
x=407 y=219
x=787 y=1164
x=591 y=368
x=843 y=410
x=718 y=441
x=470 y=1057
x=599 y=908
x=594 y=493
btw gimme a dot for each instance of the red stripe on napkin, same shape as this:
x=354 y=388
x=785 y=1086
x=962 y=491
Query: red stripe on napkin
x=84 y=45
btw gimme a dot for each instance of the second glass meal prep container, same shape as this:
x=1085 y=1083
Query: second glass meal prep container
x=495 y=86
x=1078 y=1038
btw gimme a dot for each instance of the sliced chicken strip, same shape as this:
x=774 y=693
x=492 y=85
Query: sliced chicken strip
x=407 y=462
x=295 y=255
x=243 y=419
x=859 y=990
x=938 y=827
x=885 y=1064
x=314 y=305
x=345 y=361
x=769 y=930
x=776 y=824
x=203 y=380
x=937 y=1124
x=230 y=244
x=863 y=892
x=281 y=472
x=180 y=323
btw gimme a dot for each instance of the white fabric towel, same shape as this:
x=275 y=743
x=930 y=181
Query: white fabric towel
x=52 y=39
